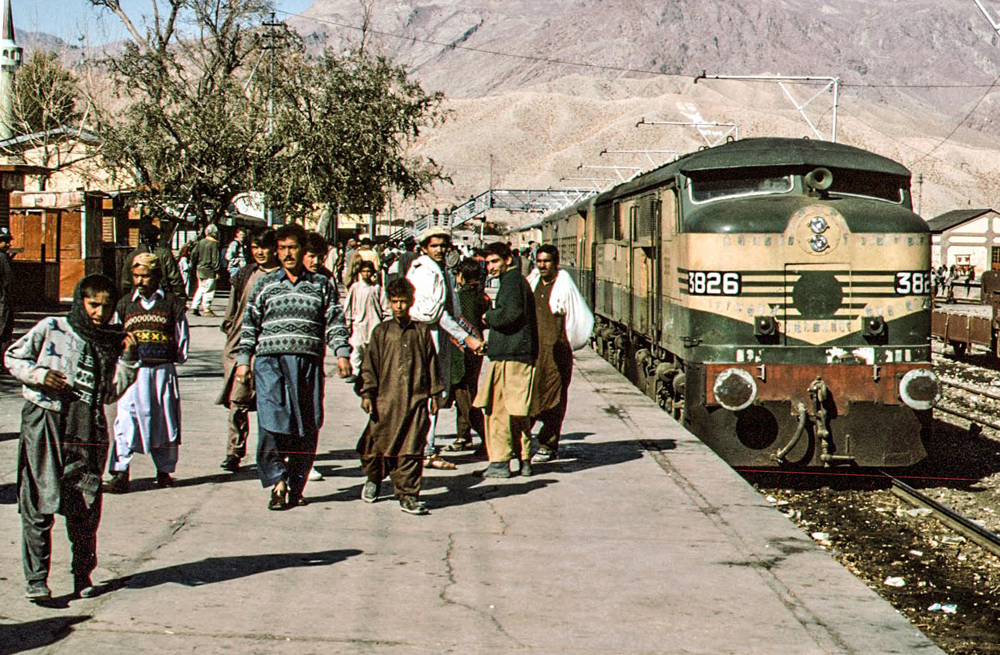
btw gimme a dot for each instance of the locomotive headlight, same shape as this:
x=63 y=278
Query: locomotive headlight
x=735 y=389
x=818 y=224
x=819 y=243
x=920 y=389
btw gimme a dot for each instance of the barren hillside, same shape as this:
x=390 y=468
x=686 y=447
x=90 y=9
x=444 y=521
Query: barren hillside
x=916 y=82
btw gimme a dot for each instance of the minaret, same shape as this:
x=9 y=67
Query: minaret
x=10 y=60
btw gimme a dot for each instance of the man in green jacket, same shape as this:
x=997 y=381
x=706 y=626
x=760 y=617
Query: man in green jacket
x=209 y=258
x=512 y=347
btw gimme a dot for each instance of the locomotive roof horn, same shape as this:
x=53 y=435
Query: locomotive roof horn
x=819 y=180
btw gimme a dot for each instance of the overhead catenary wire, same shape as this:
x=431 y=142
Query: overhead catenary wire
x=606 y=67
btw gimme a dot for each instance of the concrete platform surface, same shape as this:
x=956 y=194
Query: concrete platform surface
x=638 y=540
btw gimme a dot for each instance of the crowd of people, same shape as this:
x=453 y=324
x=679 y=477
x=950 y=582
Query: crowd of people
x=410 y=336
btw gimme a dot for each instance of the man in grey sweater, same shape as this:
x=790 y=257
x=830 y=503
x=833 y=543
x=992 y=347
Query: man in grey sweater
x=292 y=316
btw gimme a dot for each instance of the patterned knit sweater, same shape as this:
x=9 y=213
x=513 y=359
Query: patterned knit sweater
x=286 y=318
x=155 y=326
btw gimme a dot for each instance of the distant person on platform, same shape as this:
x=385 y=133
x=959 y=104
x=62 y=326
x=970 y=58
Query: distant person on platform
x=240 y=397
x=564 y=325
x=512 y=347
x=401 y=264
x=474 y=304
x=237 y=253
x=150 y=241
x=400 y=387
x=436 y=304
x=149 y=414
x=344 y=263
x=70 y=367
x=366 y=306
x=208 y=264
x=292 y=317
x=364 y=253
x=6 y=298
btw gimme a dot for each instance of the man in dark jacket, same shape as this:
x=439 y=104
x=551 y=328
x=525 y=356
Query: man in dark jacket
x=149 y=241
x=209 y=257
x=512 y=347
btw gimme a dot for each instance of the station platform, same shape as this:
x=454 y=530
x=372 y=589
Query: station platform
x=638 y=540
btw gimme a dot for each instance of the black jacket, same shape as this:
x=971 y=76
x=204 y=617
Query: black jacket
x=513 y=329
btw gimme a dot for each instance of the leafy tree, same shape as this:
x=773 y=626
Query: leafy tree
x=223 y=107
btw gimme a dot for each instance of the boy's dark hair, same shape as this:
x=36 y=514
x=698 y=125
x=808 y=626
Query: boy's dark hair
x=363 y=264
x=400 y=288
x=550 y=250
x=316 y=244
x=500 y=249
x=471 y=270
x=92 y=285
x=291 y=231
x=264 y=237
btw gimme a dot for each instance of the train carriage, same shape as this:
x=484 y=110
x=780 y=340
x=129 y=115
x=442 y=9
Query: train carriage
x=774 y=294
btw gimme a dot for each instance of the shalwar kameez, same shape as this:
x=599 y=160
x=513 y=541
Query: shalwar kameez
x=399 y=374
x=149 y=414
x=64 y=435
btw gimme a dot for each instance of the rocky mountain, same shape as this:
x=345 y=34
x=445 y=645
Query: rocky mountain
x=537 y=89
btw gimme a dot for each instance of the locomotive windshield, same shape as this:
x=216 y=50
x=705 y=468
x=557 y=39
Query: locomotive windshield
x=739 y=183
x=868 y=184
x=733 y=183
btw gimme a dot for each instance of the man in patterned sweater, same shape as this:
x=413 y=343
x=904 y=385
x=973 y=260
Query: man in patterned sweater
x=292 y=315
x=149 y=414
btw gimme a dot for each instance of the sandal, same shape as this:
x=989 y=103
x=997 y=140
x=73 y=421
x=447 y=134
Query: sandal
x=437 y=462
x=459 y=445
x=279 y=499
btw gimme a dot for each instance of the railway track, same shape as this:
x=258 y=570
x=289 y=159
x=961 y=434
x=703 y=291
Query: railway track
x=966 y=527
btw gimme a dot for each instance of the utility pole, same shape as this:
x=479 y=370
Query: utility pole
x=269 y=47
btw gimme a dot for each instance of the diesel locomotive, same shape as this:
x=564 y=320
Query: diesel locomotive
x=772 y=294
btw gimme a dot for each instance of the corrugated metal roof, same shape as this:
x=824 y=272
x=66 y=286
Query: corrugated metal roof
x=948 y=220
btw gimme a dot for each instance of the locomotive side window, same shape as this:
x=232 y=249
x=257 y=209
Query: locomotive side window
x=738 y=183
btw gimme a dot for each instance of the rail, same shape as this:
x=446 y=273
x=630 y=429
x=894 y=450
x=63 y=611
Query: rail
x=967 y=528
x=965 y=415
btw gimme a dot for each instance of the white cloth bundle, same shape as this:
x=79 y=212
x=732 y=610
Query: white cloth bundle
x=567 y=301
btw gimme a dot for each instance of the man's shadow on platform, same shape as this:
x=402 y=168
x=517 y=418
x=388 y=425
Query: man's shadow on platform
x=222 y=569
x=461 y=488
x=30 y=635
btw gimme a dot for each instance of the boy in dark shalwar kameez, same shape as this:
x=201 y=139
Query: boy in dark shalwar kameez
x=70 y=367
x=399 y=374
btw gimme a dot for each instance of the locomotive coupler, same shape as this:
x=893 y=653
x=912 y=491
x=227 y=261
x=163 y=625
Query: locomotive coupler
x=818 y=394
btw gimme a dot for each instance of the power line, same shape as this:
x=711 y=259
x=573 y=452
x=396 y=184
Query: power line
x=565 y=62
x=961 y=122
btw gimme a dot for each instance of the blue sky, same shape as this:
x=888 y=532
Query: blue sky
x=71 y=19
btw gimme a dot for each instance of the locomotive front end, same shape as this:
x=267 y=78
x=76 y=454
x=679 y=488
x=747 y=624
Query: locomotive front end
x=806 y=310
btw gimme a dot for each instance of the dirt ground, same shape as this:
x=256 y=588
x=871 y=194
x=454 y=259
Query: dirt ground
x=945 y=585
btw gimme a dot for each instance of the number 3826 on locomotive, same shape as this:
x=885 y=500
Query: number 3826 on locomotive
x=773 y=294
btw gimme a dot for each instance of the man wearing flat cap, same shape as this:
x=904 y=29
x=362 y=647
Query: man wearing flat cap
x=436 y=304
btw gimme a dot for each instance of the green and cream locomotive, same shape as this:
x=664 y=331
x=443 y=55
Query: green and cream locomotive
x=773 y=294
